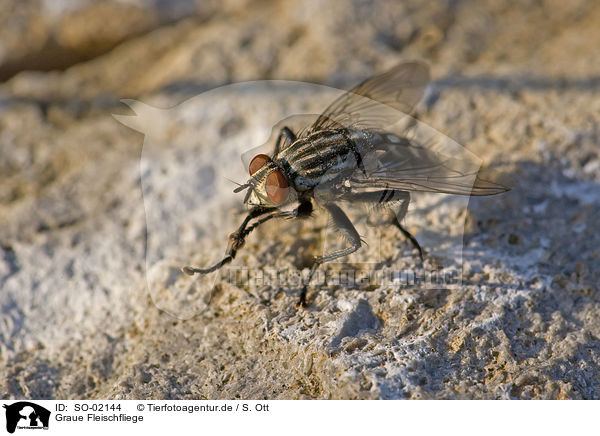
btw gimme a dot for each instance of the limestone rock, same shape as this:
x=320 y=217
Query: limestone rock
x=81 y=318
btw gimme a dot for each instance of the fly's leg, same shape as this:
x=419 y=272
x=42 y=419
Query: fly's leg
x=389 y=196
x=410 y=237
x=344 y=226
x=238 y=238
x=287 y=134
x=302 y=211
x=236 y=241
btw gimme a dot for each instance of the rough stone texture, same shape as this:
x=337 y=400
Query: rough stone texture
x=515 y=82
x=49 y=34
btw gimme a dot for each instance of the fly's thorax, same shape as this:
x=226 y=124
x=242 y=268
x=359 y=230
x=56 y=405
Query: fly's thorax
x=322 y=158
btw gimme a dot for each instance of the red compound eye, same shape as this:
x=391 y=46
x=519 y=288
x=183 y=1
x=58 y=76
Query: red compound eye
x=277 y=187
x=257 y=163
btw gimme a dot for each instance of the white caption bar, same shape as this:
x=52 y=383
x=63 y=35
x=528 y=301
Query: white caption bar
x=143 y=417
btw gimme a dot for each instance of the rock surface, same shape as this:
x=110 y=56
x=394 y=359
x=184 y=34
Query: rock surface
x=80 y=224
x=49 y=34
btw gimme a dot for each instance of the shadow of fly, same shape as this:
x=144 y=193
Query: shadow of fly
x=363 y=148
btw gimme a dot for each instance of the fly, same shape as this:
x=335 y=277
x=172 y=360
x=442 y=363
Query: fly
x=349 y=154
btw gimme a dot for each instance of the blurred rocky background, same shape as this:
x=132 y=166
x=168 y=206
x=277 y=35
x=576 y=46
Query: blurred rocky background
x=515 y=81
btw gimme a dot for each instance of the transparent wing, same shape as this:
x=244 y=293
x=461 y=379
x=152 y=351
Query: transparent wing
x=422 y=159
x=399 y=89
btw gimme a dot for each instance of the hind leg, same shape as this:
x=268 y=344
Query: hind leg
x=388 y=198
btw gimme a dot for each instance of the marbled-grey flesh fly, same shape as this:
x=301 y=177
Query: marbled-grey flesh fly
x=363 y=148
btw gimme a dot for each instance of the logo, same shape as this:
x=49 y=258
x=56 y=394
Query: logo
x=26 y=415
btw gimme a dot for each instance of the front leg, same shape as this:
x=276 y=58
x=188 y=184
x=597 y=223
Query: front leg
x=236 y=241
x=238 y=238
x=344 y=226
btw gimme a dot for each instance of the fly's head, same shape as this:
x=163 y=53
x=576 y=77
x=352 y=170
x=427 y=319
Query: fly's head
x=268 y=185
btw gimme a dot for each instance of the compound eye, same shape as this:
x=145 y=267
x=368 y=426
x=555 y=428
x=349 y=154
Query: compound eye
x=277 y=187
x=257 y=163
